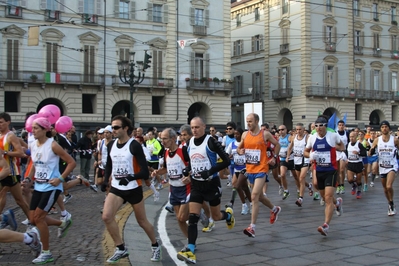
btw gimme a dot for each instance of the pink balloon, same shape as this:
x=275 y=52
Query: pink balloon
x=29 y=122
x=51 y=112
x=63 y=124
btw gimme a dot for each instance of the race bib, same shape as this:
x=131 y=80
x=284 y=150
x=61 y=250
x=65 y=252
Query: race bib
x=324 y=159
x=252 y=156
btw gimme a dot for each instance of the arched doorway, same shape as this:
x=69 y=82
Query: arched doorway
x=198 y=109
x=375 y=117
x=287 y=119
x=48 y=101
x=121 y=108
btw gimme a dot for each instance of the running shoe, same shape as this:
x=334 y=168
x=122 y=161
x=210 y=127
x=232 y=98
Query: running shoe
x=204 y=219
x=323 y=229
x=280 y=190
x=187 y=255
x=230 y=222
x=286 y=194
x=298 y=202
x=229 y=184
x=338 y=191
x=244 y=209
x=25 y=222
x=160 y=187
x=66 y=224
x=169 y=208
x=365 y=188
x=8 y=218
x=67 y=198
x=274 y=214
x=358 y=194
x=371 y=184
x=338 y=207
x=209 y=228
x=119 y=254
x=353 y=191
x=249 y=231
x=322 y=202
x=316 y=196
x=94 y=188
x=156 y=253
x=35 y=245
x=310 y=189
x=391 y=210
x=342 y=191
x=156 y=196
x=43 y=258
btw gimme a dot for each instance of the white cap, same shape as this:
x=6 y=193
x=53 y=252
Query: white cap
x=108 y=128
x=101 y=130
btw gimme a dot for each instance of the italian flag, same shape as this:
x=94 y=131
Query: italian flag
x=52 y=77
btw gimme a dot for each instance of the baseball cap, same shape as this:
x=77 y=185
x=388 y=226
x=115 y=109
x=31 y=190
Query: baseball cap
x=101 y=130
x=108 y=128
x=385 y=123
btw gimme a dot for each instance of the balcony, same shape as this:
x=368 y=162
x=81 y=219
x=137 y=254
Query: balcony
x=284 y=48
x=199 y=30
x=283 y=93
x=342 y=93
x=148 y=82
x=89 y=19
x=358 y=50
x=395 y=54
x=212 y=87
x=331 y=46
x=377 y=52
x=51 y=15
x=13 y=11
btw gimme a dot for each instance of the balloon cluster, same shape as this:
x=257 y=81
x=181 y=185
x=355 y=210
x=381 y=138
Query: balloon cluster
x=53 y=114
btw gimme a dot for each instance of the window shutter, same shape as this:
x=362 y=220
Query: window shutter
x=154 y=67
x=381 y=80
x=207 y=18
x=192 y=16
x=206 y=65
x=389 y=81
x=116 y=8
x=325 y=73
x=253 y=40
x=325 y=33
x=241 y=47
x=121 y=54
x=254 y=87
x=335 y=34
x=61 y=5
x=241 y=84
x=23 y=3
x=16 y=58
x=371 y=79
x=260 y=83
x=48 y=57
x=132 y=10
x=55 y=58
x=99 y=2
x=43 y=4
x=80 y=7
x=375 y=40
x=336 y=77
x=149 y=12
x=192 y=61
x=86 y=60
x=165 y=13
x=280 y=76
x=362 y=39
x=288 y=81
x=363 y=85
x=261 y=42
x=234 y=48
x=159 y=65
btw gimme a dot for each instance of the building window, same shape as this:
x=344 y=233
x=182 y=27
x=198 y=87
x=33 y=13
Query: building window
x=88 y=6
x=358 y=78
x=199 y=17
x=328 y=6
x=157 y=13
x=199 y=68
x=238 y=20
x=329 y=33
x=238 y=85
x=238 y=47
x=157 y=58
x=88 y=103
x=394 y=42
x=358 y=111
x=52 y=5
x=376 y=80
x=394 y=81
x=12 y=59
x=284 y=78
x=124 y=54
x=257 y=14
x=284 y=5
x=88 y=63
x=123 y=9
x=357 y=37
x=257 y=85
x=376 y=40
x=331 y=76
x=356 y=8
x=257 y=43
x=11 y=101
x=393 y=15
x=156 y=105
x=375 y=12
x=51 y=57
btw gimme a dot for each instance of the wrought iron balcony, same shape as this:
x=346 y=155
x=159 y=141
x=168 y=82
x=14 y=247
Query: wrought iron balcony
x=12 y=11
x=334 y=92
x=377 y=52
x=282 y=93
x=199 y=30
x=148 y=82
x=331 y=46
x=284 y=48
x=52 y=15
x=193 y=85
x=358 y=50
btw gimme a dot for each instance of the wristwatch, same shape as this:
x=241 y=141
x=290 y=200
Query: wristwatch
x=5 y=153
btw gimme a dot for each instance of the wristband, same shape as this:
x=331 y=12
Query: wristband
x=62 y=179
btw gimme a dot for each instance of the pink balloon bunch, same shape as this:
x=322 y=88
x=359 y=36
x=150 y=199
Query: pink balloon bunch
x=63 y=124
x=51 y=112
x=29 y=122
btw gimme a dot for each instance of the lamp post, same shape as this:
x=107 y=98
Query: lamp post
x=126 y=75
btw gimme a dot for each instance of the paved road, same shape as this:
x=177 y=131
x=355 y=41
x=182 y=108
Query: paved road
x=363 y=235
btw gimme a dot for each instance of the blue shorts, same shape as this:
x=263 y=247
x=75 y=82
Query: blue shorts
x=372 y=159
x=252 y=177
x=179 y=195
x=365 y=160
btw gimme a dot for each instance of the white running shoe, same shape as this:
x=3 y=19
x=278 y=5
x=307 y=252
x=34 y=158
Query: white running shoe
x=156 y=196
x=245 y=209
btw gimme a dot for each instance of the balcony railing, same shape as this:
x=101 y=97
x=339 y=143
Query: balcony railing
x=148 y=82
x=52 y=15
x=89 y=19
x=282 y=93
x=377 y=52
x=358 y=50
x=331 y=46
x=209 y=85
x=13 y=11
x=199 y=30
x=335 y=92
x=284 y=48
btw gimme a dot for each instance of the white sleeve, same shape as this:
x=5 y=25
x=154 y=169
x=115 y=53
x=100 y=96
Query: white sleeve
x=310 y=142
x=229 y=149
x=146 y=153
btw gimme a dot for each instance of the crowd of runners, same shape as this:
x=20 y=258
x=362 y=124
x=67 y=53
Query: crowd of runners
x=37 y=169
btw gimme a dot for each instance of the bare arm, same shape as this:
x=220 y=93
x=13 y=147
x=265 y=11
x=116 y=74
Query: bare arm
x=290 y=146
x=240 y=148
x=17 y=148
x=373 y=146
x=57 y=149
x=269 y=137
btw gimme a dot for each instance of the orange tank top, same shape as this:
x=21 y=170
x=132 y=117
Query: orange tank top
x=255 y=153
x=12 y=161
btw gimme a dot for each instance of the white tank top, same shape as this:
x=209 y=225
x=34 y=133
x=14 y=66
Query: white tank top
x=387 y=155
x=175 y=166
x=354 y=158
x=298 y=148
x=122 y=165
